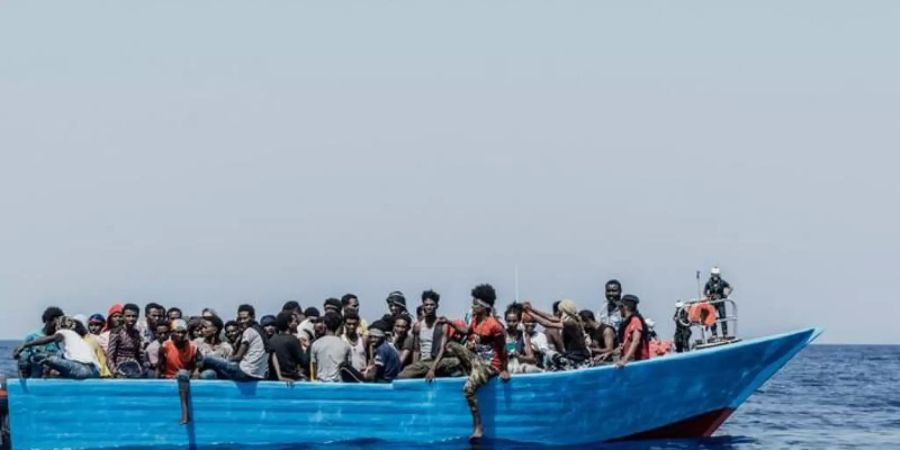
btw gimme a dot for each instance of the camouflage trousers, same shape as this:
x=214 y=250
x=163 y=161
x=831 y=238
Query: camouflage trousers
x=479 y=372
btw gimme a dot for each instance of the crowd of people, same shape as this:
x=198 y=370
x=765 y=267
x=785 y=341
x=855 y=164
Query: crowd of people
x=335 y=344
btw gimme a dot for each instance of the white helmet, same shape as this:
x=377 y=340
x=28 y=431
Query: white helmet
x=715 y=271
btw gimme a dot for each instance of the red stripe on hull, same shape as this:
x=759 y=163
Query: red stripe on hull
x=703 y=425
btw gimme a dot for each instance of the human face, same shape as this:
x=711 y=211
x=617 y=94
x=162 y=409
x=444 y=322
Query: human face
x=477 y=309
x=244 y=318
x=95 y=327
x=209 y=329
x=129 y=318
x=320 y=328
x=401 y=328
x=512 y=322
x=174 y=315
x=350 y=326
x=115 y=320
x=270 y=330
x=395 y=309
x=64 y=323
x=352 y=305
x=292 y=326
x=429 y=307
x=613 y=293
x=179 y=336
x=530 y=325
x=374 y=341
x=232 y=333
x=162 y=333
x=154 y=315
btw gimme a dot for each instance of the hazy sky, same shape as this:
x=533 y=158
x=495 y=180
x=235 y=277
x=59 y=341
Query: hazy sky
x=215 y=152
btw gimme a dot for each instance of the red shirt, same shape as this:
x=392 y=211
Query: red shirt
x=643 y=349
x=179 y=358
x=489 y=340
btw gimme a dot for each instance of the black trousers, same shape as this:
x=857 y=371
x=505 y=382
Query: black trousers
x=682 y=338
x=720 y=311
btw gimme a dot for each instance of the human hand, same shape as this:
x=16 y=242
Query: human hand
x=429 y=377
x=18 y=351
x=504 y=375
x=620 y=364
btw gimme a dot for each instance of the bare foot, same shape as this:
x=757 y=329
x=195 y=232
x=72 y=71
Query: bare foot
x=477 y=434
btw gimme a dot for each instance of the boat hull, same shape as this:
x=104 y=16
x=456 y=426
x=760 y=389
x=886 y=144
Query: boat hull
x=677 y=396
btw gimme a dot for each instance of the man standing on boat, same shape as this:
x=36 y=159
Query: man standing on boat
x=718 y=289
x=634 y=334
x=613 y=293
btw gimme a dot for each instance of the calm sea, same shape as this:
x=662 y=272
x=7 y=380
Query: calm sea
x=829 y=396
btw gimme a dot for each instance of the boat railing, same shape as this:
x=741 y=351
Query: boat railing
x=730 y=318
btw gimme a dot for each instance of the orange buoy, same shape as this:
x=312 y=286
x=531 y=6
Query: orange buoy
x=703 y=313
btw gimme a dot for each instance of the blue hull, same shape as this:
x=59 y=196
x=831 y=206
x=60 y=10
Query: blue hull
x=684 y=395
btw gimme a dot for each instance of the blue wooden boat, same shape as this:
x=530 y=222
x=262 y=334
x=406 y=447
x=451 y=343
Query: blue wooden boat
x=678 y=396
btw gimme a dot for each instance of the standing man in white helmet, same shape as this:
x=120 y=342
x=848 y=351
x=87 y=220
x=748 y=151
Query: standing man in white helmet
x=718 y=289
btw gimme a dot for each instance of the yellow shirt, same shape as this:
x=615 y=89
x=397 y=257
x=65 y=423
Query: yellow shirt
x=101 y=355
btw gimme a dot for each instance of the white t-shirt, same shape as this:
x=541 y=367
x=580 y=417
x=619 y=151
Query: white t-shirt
x=327 y=353
x=75 y=349
x=255 y=362
x=539 y=342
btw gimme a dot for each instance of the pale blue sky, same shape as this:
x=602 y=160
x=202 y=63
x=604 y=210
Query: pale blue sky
x=215 y=152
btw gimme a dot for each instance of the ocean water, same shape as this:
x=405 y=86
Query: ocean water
x=828 y=397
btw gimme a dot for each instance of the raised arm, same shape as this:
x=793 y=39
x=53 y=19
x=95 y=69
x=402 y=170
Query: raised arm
x=546 y=320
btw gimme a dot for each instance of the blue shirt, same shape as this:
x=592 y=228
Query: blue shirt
x=52 y=347
x=387 y=360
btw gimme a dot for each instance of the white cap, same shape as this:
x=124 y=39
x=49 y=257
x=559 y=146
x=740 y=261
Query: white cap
x=715 y=270
x=650 y=323
x=679 y=304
